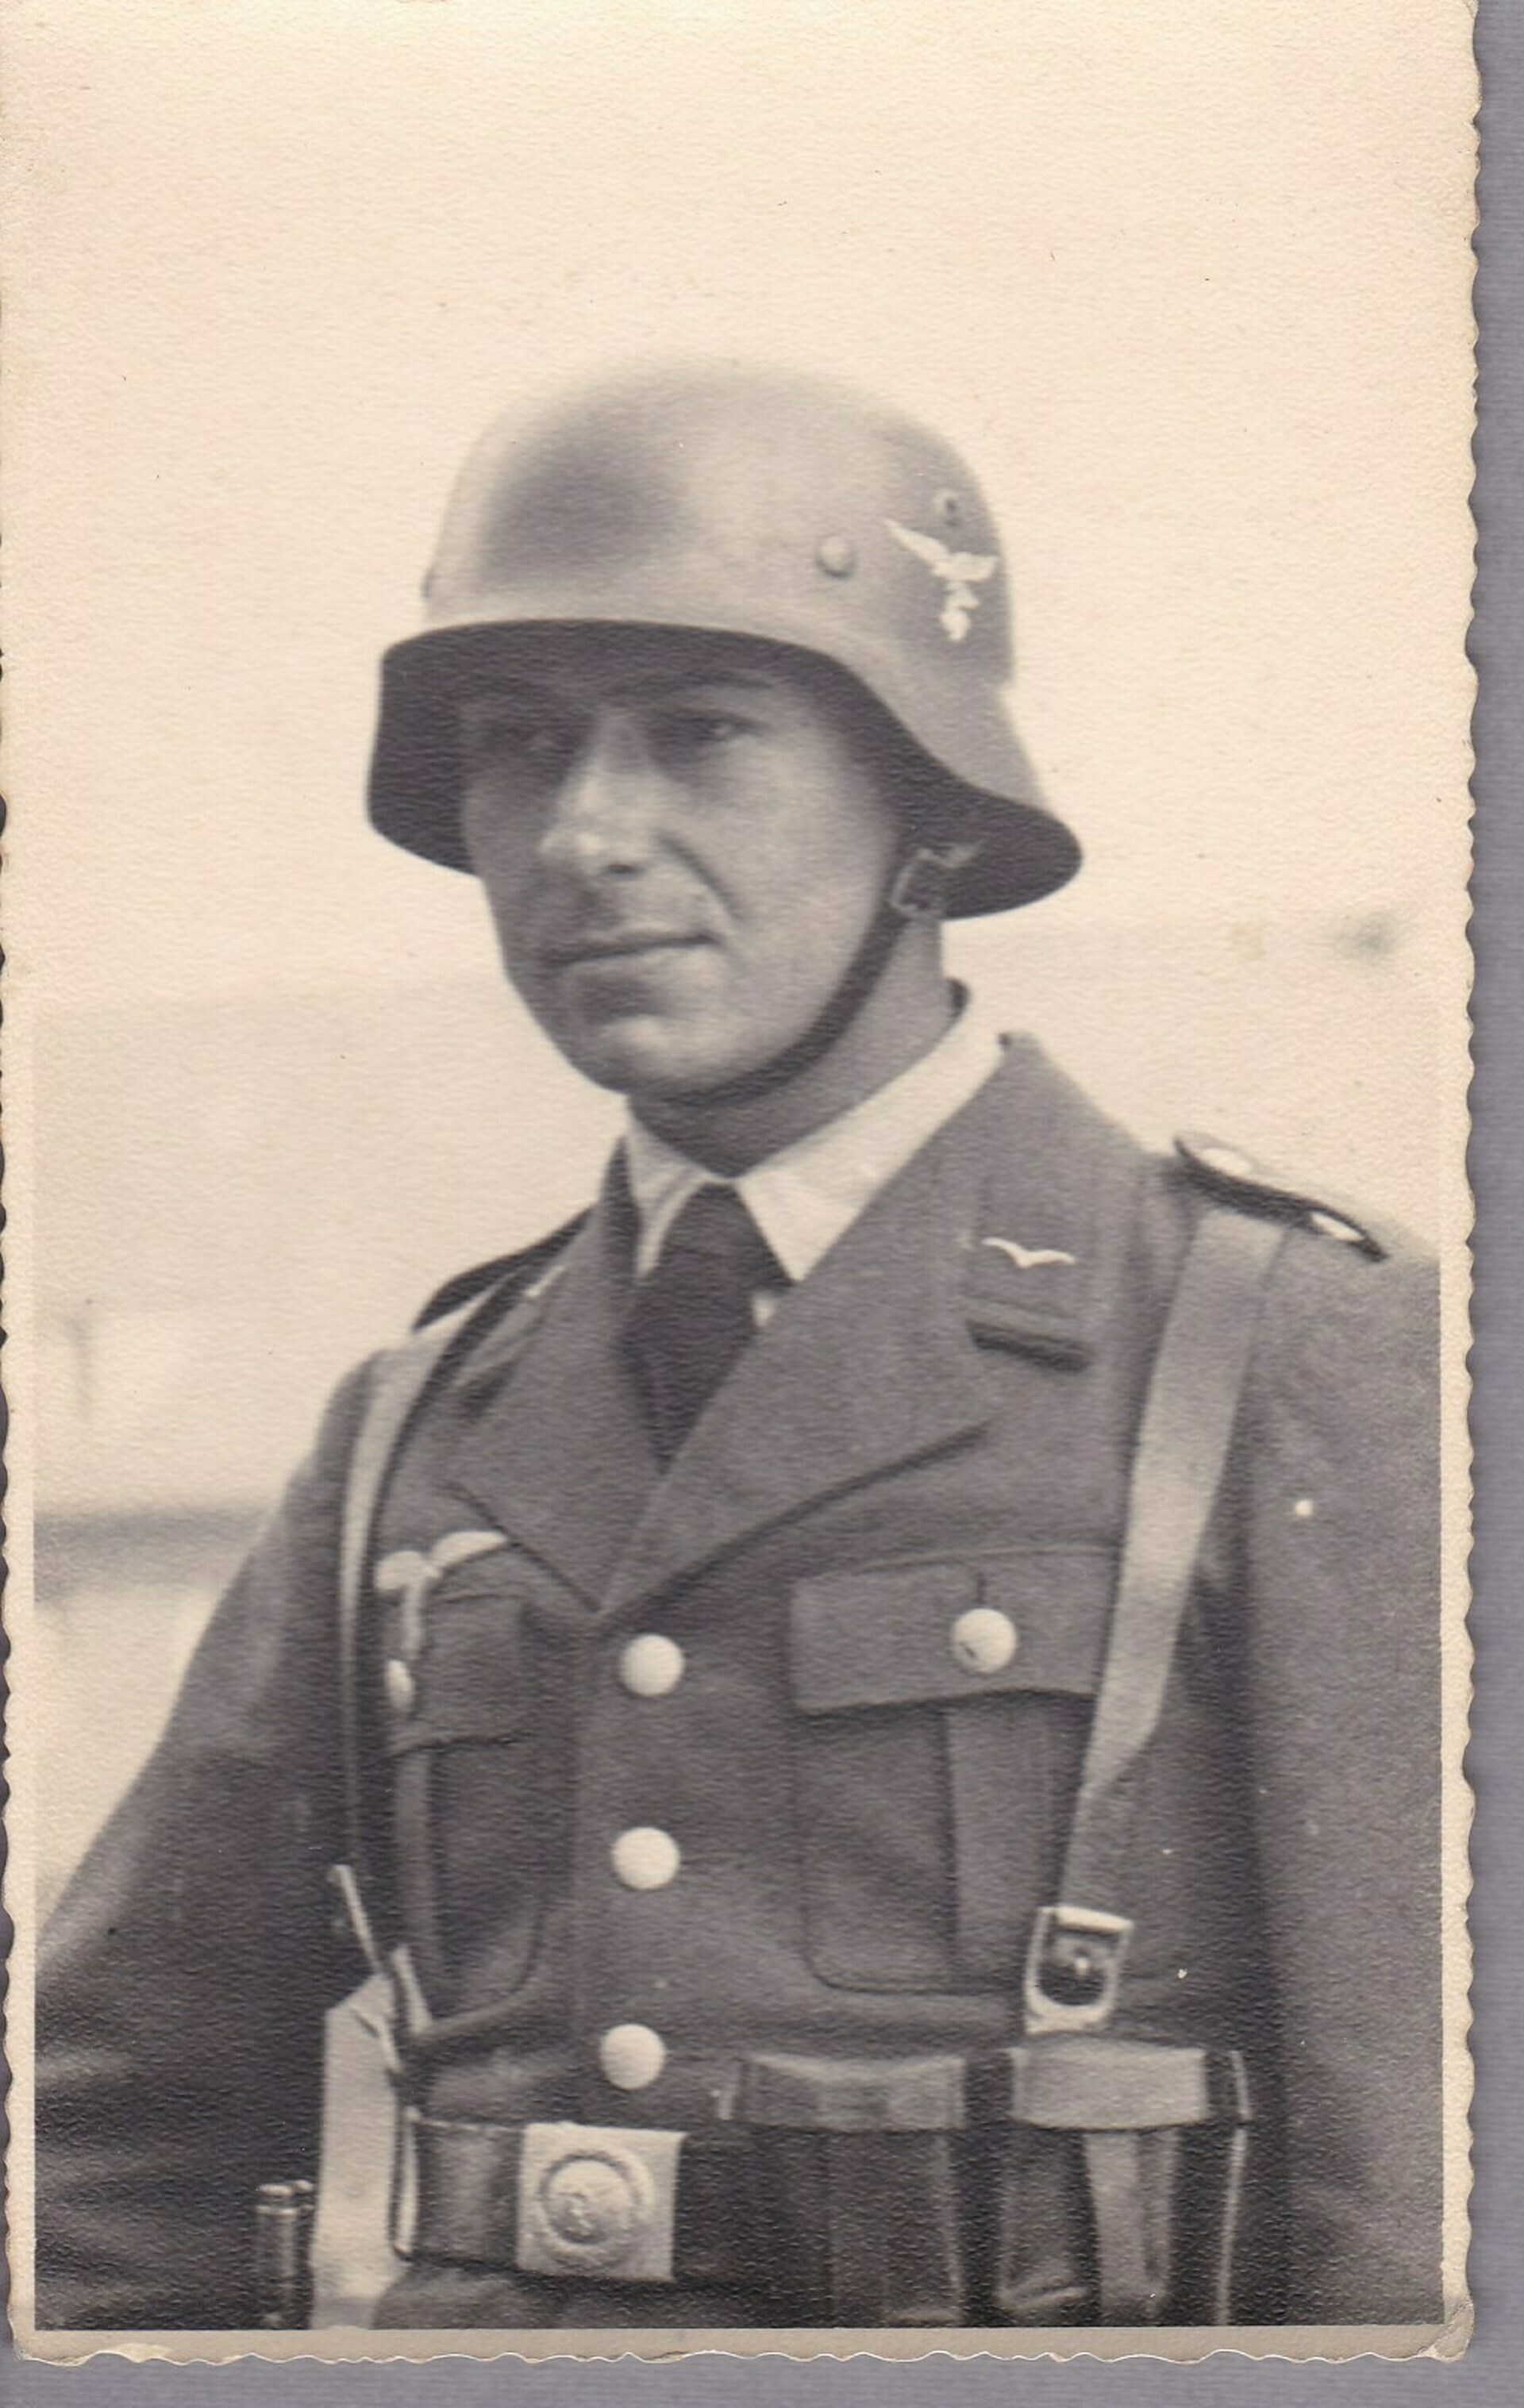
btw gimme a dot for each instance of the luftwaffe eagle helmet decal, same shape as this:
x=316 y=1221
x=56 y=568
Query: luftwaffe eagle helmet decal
x=959 y=571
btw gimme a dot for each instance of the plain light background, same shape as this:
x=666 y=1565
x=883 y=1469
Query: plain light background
x=1189 y=280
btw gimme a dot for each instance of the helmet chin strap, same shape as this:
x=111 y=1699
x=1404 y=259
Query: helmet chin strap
x=916 y=891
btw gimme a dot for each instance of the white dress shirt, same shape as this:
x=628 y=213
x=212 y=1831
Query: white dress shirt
x=806 y=1196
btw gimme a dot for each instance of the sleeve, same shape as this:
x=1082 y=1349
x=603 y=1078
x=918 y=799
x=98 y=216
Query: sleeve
x=184 y=1978
x=1341 y=1641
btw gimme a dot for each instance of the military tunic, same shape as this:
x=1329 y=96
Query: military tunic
x=772 y=1757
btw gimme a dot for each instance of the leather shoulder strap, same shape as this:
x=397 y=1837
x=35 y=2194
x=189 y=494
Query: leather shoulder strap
x=1182 y=1449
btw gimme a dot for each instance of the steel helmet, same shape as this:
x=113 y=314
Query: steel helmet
x=747 y=502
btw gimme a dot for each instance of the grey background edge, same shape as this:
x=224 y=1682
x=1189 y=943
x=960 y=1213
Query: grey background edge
x=1494 y=2370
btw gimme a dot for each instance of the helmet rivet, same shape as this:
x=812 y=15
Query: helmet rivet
x=837 y=554
x=946 y=505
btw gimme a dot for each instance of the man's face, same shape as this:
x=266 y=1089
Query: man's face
x=683 y=839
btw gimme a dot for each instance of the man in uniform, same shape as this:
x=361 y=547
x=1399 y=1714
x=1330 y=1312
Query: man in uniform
x=874 y=1701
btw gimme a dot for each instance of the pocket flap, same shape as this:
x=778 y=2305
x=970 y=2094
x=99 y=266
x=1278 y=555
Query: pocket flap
x=932 y=1633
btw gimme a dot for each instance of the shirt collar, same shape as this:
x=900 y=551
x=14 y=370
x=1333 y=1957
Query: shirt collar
x=808 y=1196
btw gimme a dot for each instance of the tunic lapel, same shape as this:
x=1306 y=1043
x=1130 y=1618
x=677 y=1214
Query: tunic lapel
x=1007 y=1224
x=871 y=1362
x=863 y=1366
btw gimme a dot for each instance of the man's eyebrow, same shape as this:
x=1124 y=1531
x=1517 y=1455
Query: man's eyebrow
x=640 y=689
x=683 y=682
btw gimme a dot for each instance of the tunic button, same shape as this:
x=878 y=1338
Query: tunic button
x=631 y=2055
x=984 y=1640
x=651 y=1665
x=645 y=1858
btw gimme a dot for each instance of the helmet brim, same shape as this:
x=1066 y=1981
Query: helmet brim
x=992 y=792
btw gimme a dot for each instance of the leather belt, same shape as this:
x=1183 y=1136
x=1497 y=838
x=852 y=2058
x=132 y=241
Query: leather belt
x=838 y=2184
x=861 y=2226
x=624 y=2203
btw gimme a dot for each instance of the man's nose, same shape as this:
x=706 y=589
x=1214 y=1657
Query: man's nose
x=604 y=815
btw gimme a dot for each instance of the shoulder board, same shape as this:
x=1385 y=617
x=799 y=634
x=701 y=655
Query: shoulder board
x=510 y=1273
x=1233 y=1176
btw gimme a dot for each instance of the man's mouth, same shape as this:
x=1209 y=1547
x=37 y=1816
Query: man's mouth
x=616 y=945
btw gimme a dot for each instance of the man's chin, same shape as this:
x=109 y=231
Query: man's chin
x=654 y=1067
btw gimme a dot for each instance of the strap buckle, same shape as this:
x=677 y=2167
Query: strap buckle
x=921 y=885
x=1073 y=1968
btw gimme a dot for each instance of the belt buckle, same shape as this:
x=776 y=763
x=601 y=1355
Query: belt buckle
x=597 y=2200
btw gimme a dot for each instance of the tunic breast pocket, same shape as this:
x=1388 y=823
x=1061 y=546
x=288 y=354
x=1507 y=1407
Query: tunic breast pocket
x=941 y=1711
x=473 y=1693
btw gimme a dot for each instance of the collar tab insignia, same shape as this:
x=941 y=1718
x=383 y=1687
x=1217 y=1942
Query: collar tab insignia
x=1028 y=1258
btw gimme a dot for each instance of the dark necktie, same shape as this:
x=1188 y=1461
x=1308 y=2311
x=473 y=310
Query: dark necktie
x=692 y=1315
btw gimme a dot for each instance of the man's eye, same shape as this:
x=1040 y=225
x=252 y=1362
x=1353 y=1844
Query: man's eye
x=489 y=737
x=699 y=728
x=542 y=743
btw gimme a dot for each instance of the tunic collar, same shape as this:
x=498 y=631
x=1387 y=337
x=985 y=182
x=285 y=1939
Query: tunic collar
x=806 y=1196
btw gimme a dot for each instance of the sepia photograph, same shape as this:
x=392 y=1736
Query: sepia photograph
x=739 y=1481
